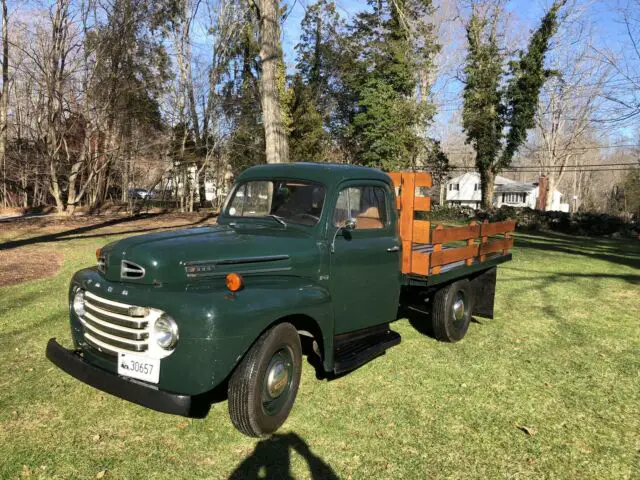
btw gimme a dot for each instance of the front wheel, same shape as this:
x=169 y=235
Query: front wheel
x=264 y=386
x=451 y=312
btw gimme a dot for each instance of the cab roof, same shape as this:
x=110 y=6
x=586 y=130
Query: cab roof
x=325 y=173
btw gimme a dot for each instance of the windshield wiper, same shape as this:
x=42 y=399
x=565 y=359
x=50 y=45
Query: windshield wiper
x=278 y=219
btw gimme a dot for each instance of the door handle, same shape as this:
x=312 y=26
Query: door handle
x=395 y=248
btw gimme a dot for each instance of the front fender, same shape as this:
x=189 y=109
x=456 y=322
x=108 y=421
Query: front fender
x=241 y=317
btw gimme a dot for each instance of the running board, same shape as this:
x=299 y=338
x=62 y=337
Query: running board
x=353 y=352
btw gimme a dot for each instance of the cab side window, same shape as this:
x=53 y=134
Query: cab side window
x=367 y=204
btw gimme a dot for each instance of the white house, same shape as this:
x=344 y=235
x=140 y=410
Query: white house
x=464 y=190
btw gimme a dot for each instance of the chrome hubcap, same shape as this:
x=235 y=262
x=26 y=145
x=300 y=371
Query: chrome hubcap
x=277 y=378
x=276 y=386
x=458 y=307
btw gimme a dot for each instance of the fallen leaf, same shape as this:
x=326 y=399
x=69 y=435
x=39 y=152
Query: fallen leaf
x=101 y=474
x=96 y=437
x=26 y=471
x=183 y=425
x=528 y=430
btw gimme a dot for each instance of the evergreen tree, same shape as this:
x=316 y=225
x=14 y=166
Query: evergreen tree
x=312 y=97
x=496 y=118
x=388 y=47
x=308 y=139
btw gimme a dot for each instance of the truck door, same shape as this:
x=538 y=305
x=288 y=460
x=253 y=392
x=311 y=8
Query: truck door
x=365 y=265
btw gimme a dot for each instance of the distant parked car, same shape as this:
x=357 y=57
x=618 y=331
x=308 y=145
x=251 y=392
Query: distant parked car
x=141 y=193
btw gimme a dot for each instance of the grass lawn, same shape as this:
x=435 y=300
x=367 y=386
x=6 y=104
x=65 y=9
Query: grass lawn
x=549 y=389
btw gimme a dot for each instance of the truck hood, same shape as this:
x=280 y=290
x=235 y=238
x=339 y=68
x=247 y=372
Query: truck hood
x=208 y=253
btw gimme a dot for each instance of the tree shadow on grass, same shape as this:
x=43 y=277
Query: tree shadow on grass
x=548 y=278
x=77 y=233
x=621 y=252
x=271 y=459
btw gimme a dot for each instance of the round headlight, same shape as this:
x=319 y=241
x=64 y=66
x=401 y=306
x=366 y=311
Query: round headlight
x=165 y=332
x=78 y=303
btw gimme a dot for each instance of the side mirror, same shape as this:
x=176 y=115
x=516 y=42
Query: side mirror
x=350 y=224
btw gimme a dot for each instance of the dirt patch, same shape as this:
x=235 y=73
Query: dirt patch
x=30 y=248
x=28 y=263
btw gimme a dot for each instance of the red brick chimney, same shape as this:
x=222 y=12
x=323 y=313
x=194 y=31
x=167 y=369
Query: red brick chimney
x=543 y=186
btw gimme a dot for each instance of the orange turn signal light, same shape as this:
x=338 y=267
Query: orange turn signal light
x=234 y=282
x=98 y=250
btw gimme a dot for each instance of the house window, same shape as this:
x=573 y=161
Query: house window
x=514 y=197
x=456 y=187
x=476 y=187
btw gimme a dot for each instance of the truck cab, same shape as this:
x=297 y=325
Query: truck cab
x=300 y=254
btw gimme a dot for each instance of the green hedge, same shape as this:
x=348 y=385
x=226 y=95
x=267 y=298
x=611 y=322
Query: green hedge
x=581 y=223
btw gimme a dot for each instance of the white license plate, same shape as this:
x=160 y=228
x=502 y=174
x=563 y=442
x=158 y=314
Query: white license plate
x=142 y=368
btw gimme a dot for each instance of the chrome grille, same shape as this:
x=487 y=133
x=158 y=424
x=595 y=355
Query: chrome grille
x=109 y=327
x=102 y=264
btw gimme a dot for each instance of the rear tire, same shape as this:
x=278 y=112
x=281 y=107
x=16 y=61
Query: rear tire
x=451 y=313
x=264 y=386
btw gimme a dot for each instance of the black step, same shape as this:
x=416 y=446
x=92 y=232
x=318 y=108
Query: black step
x=354 y=353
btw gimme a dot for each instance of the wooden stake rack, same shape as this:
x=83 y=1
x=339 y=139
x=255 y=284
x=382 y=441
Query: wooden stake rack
x=425 y=251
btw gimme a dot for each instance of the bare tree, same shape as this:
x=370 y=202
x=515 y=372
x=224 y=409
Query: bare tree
x=4 y=100
x=567 y=105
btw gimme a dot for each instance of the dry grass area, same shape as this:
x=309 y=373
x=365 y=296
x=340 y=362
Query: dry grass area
x=31 y=250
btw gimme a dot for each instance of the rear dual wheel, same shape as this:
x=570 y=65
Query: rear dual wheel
x=451 y=314
x=264 y=386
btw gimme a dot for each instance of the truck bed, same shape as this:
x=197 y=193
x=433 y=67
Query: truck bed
x=432 y=255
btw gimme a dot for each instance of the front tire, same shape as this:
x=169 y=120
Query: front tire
x=264 y=386
x=451 y=314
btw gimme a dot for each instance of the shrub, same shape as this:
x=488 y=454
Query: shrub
x=581 y=223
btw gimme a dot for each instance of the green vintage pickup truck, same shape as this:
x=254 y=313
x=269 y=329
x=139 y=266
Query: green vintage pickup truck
x=313 y=259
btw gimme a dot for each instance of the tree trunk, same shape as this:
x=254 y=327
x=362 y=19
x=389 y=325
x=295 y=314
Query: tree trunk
x=277 y=148
x=487 y=179
x=551 y=186
x=5 y=100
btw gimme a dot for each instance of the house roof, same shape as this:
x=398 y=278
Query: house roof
x=515 y=187
x=498 y=181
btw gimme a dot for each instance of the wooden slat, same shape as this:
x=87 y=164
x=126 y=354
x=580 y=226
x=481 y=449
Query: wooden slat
x=421 y=231
x=483 y=239
x=423 y=179
x=420 y=263
x=496 y=246
x=470 y=243
x=396 y=178
x=406 y=218
x=406 y=257
x=455 y=233
x=437 y=248
x=497 y=228
x=422 y=204
x=453 y=255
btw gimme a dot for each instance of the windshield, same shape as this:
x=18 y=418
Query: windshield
x=292 y=201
